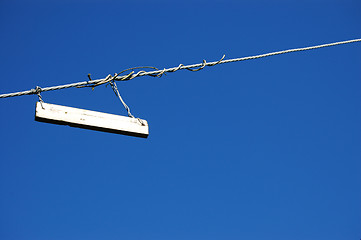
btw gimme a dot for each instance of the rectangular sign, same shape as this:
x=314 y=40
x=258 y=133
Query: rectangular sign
x=81 y=118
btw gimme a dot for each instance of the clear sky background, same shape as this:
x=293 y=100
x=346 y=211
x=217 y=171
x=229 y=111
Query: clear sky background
x=261 y=149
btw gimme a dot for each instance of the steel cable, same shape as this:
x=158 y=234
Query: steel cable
x=159 y=73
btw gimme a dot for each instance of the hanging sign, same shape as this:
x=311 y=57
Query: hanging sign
x=81 y=118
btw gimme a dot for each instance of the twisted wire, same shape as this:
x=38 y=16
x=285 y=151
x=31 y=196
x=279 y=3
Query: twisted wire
x=159 y=73
x=116 y=91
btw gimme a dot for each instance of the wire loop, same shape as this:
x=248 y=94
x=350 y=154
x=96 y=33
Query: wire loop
x=197 y=69
x=161 y=73
x=37 y=91
x=212 y=64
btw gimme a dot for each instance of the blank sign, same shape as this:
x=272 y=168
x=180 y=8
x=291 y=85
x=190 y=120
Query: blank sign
x=81 y=118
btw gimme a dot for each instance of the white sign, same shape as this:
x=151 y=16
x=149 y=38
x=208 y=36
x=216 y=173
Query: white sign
x=87 y=119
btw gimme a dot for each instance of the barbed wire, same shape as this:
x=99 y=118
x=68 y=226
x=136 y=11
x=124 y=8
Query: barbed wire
x=158 y=73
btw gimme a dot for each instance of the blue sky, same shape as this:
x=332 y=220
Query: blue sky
x=261 y=149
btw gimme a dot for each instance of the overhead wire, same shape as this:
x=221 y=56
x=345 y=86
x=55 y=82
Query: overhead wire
x=159 y=73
